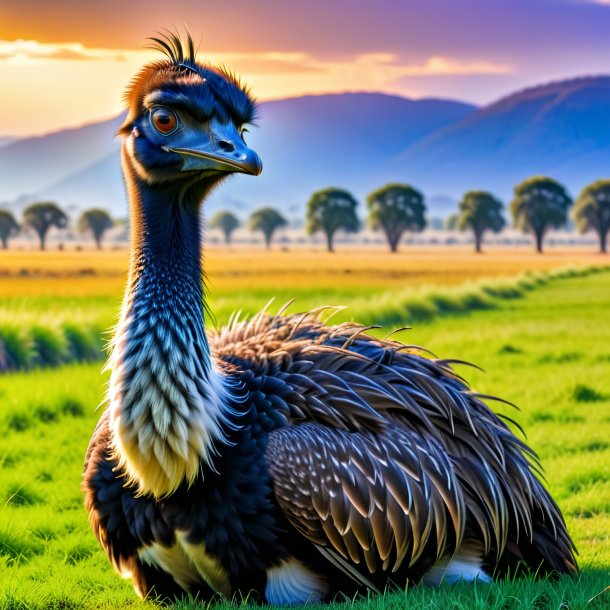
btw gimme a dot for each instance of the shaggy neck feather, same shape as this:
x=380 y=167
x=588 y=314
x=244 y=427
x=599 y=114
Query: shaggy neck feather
x=167 y=403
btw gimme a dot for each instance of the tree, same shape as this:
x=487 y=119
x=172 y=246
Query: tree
x=267 y=220
x=396 y=208
x=8 y=227
x=540 y=204
x=329 y=210
x=42 y=216
x=592 y=210
x=97 y=221
x=226 y=222
x=480 y=211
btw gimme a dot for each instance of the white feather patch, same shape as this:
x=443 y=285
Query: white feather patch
x=464 y=565
x=293 y=583
x=166 y=410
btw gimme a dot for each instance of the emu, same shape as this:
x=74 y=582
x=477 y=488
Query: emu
x=281 y=457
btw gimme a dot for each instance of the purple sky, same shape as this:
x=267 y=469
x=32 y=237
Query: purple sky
x=475 y=50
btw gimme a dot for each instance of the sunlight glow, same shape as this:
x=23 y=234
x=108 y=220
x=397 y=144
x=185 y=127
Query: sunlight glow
x=82 y=84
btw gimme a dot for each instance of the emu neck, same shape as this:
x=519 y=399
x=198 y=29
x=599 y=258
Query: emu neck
x=165 y=275
x=167 y=403
x=166 y=244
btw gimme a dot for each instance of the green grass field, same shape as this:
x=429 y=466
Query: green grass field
x=55 y=306
x=548 y=350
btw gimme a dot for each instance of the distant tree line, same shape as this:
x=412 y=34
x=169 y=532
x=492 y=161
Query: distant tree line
x=539 y=205
x=43 y=215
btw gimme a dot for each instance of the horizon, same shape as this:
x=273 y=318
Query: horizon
x=82 y=56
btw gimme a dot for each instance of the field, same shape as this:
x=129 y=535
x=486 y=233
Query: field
x=235 y=272
x=545 y=344
x=48 y=297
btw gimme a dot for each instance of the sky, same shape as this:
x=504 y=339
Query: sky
x=67 y=62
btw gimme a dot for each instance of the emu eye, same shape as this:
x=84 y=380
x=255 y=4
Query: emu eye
x=164 y=121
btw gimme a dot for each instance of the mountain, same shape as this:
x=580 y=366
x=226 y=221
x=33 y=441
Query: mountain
x=358 y=141
x=560 y=129
x=32 y=164
x=343 y=140
x=6 y=140
x=306 y=143
x=97 y=185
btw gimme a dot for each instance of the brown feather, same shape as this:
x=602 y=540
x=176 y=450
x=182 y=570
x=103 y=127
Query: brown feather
x=415 y=459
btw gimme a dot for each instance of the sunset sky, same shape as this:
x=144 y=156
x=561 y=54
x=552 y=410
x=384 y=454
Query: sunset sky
x=66 y=62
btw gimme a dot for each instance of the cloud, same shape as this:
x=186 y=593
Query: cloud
x=275 y=75
x=438 y=65
x=28 y=51
x=278 y=75
x=30 y=64
x=389 y=65
x=71 y=54
x=383 y=67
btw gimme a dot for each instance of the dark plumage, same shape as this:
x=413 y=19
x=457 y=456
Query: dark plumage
x=285 y=457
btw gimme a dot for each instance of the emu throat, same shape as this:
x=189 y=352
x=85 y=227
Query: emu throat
x=166 y=399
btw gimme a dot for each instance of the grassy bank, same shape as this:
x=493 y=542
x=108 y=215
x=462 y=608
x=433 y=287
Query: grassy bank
x=32 y=338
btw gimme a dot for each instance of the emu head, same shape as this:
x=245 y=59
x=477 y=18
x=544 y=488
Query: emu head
x=186 y=120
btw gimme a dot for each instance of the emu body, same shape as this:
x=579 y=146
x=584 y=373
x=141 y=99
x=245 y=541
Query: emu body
x=281 y=457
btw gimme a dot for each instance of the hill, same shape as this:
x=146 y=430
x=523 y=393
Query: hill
x=6 y=140
x=30 y=165
x=560 y=129
x=357 y=141
x=305 y=143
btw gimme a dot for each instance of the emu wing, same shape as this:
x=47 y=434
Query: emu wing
x=388 y=459
x=378 y=499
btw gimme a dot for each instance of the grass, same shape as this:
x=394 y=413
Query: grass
x=548 y=350
x=58 y=324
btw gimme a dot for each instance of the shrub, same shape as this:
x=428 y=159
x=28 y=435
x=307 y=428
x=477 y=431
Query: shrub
x=503 y=289
x=72 y=407
x=418 y=310
x=585 y=393
x=510 y=349
x=17 y=347
x=46 y=415
x=19 y=422
x=475 y=299
x=49 y=346
x=446 y=302
x=84 y=345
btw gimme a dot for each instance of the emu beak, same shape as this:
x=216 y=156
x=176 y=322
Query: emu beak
x=225 y=151
x=243 y=160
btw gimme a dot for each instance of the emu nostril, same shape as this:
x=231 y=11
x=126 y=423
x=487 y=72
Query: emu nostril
x=226 y=146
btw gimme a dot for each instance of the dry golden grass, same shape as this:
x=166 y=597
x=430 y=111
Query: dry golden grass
x=240 y=269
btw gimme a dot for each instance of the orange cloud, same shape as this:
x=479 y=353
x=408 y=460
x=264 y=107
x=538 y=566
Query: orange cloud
x=22 y=51
x=82 y=84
